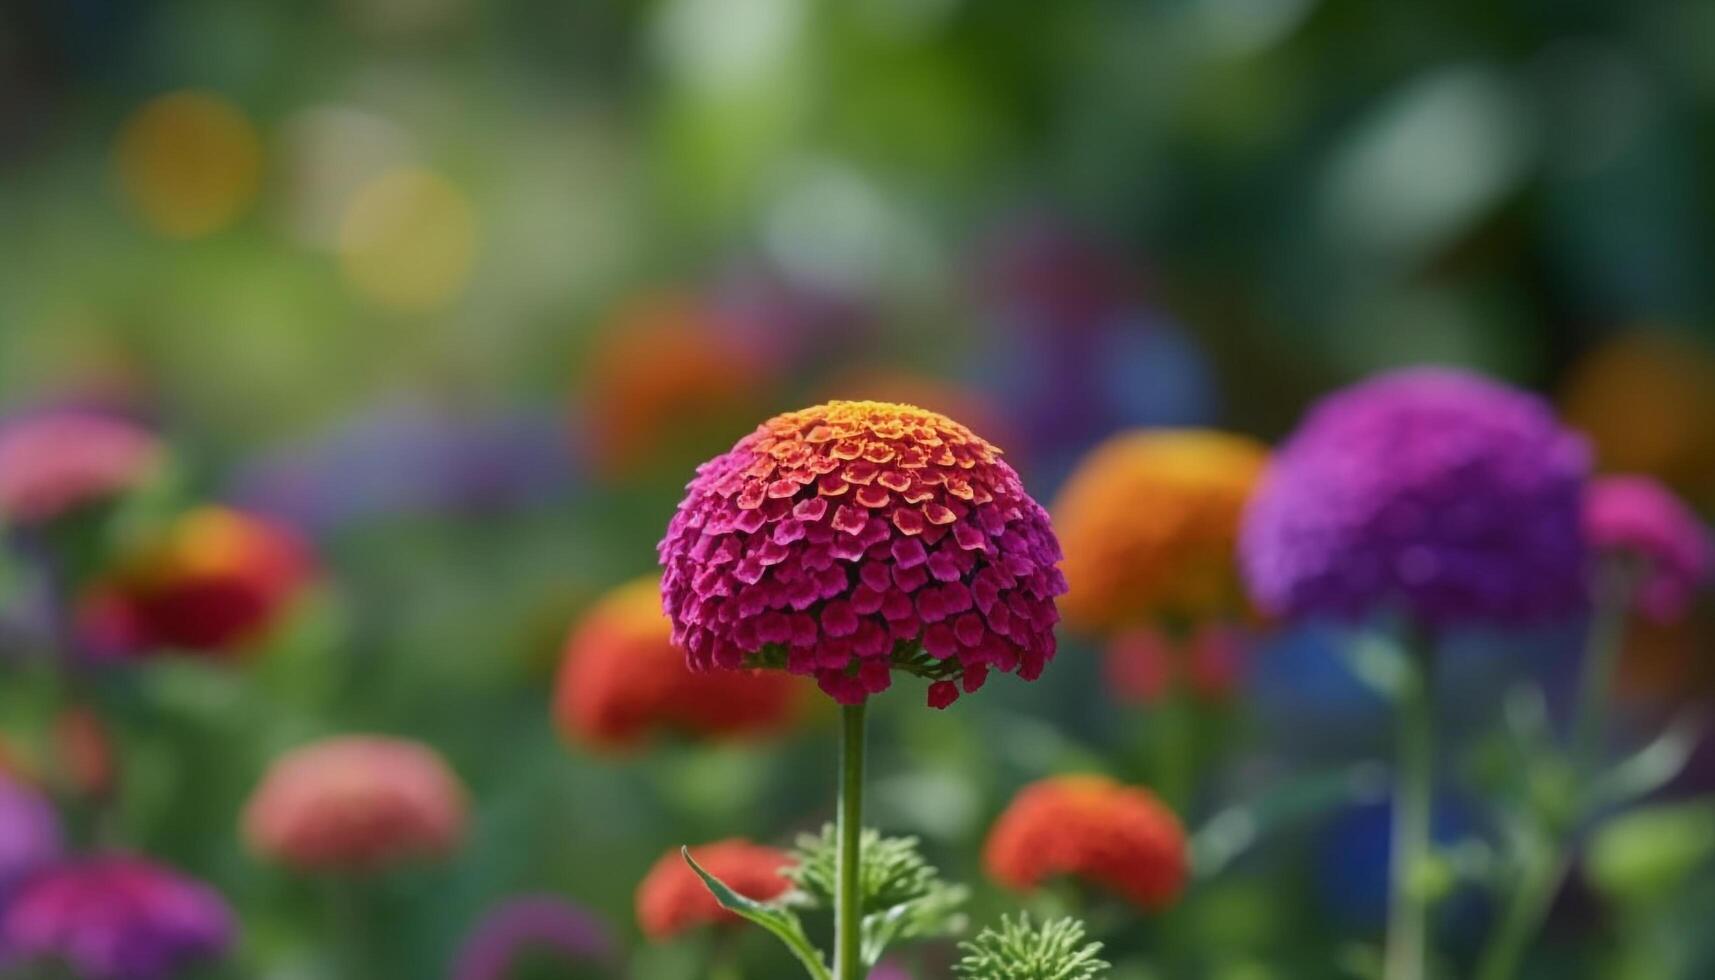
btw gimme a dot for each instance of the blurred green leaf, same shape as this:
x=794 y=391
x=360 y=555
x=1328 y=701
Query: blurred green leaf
x=1646 y=854
x=779 y=921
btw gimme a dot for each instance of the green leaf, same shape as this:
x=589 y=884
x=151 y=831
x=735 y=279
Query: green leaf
x=1647 y=853
x=1651 y=767
x=929 y=916
x=902 y=895
x=1019 y=950
x=776 y=919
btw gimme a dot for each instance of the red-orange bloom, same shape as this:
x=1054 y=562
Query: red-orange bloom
x=217 y=580
x=622 y=680
x=356 y=803
x=1120 y=838
x=1144 y=663
x=671 y=898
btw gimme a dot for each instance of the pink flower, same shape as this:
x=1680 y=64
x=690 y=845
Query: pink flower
x=1638 y=517
x=57 y=462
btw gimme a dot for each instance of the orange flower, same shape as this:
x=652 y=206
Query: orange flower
x=1149 y=522
x=663 y=376
x=622 y=680
x=356 y=803
x=217 y=580
x=672 y=899
x=1091 y=828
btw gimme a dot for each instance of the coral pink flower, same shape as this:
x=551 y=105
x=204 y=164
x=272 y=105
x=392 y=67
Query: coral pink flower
x=1142 y=664
x=216 y=580
x=57 y=462
x=356 y=803
x=1092 y=828
x=1636 y=516
x=852 y=538
x=622 y=680
x=672 y=899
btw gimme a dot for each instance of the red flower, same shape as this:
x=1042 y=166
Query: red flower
x=1092 y=828
x=671 y=898
x=1142 y=663
x=356 y=803
x=217 y=580
x=853 y=537
x=622 y=680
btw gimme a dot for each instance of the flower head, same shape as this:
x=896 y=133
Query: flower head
x=57 y=462
x=672 y=899
x=1449 y=496
x=622 y=680
x=1092 y=828
x=1637 y=517
x=849 y=538
x=115 y=917
x=525 y=926
x=1150 y=523
x=216 y=580
x=356 y=803
x=29 y=833
x=1145 y=663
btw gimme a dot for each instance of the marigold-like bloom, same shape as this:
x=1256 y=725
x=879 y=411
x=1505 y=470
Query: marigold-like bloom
x=671 y=898
x=29 y=833
x=115 y=917
x=1143 y=664
x=1451 y=497
x=527 y=926
x=665 y=375
x=1150 y=523
x=356 y=803
x=1120 y=838
x=1637 y=517
x=622 y=680
x=57 y=462
x=849 y=538
x=216 y=580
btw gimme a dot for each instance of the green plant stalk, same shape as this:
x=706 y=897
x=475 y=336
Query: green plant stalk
x=848 y=911
x=1408 y=905
x=1543 y=868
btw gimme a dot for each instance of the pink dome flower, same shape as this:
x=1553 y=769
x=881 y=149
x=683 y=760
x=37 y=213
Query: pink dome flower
x=1638 y=517
x=356 y=803
x=115 y=918
x=54 y=463
x=852 y=538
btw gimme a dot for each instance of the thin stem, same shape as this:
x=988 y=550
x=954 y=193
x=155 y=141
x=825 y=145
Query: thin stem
x=1408 y=906
x=1543 y=867
x=848 y=913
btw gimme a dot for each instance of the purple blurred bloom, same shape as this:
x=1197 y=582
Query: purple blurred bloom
x=412 y=458
x=1636 y=516
x=29 y=833
x=1451 y=497
x=529 y=924
x=115 y=918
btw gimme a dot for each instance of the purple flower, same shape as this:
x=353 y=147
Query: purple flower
x=1437 y=492
x=529 y=924
x=29 y=833
x=1636 y=516
x=115 y=917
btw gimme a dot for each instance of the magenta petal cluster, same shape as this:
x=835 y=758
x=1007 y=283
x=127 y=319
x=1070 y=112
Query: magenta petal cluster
x=115 y=918
x=1636 y=516
x=55 y=462
x=1439 y=493
x=852 y=538
x=528 y=925
x=29 y=833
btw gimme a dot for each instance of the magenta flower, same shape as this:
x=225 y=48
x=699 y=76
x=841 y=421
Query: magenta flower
x=1449 y=496
x=115 y=918
x=527 y=925
x=1637 y=517
x=853 y=538
x=29 y=833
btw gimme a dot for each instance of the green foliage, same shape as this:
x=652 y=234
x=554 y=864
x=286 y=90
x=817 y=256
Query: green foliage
x=1648 y=853
x=777 y=919
x=893 y=871
x=1019 y=950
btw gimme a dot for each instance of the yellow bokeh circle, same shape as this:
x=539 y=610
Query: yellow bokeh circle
x=407 y=240
x=189 y=162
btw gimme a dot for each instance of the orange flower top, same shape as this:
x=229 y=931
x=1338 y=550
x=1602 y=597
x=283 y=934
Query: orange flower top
x=671 y=898
x=1120 y=838
x=622 y=680
x=662 y=374
x=216 y=580
x=356 y=803
x=1149 y=522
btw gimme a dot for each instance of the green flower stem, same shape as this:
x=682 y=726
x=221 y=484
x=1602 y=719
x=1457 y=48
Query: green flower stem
x=1544 y=865
x=1408 y=905
x=848 y=913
